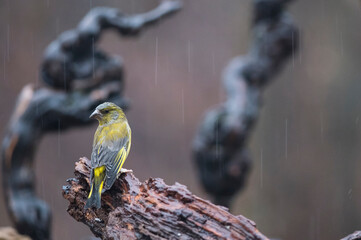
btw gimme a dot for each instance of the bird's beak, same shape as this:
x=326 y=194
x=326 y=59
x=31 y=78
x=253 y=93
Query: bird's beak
x=96 y=115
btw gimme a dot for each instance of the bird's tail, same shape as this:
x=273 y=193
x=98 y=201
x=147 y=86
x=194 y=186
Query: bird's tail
x=96 y=188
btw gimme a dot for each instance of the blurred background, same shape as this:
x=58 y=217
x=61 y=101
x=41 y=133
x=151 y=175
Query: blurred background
x=305 y=147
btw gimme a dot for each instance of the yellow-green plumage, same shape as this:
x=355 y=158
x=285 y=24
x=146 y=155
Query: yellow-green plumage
x=112 y=141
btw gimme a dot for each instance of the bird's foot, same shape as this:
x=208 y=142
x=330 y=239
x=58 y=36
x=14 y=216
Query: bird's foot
x=123 y=170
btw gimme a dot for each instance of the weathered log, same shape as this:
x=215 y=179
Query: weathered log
x=354 y=236
x=152 y=210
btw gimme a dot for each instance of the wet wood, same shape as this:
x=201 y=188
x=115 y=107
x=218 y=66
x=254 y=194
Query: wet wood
x=152 y=210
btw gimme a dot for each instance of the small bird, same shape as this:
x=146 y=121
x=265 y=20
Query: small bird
x=111 y=146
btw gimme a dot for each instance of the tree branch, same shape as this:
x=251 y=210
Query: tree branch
x=74 y=61
x=219 y=147
x=152 y=210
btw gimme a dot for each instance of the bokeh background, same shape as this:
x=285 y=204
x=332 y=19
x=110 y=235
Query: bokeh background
x=306 y=146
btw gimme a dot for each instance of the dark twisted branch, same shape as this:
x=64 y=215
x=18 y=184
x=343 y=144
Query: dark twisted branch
x=74 y=56
x=219 y=147
x=152 y=210
x=80 y=76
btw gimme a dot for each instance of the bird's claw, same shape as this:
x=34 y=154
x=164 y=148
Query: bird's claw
x=123 y=170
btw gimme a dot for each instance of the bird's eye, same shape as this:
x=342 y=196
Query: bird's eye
x=106 y=111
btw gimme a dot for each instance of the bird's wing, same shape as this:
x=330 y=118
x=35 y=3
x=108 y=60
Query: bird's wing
x=112 y=152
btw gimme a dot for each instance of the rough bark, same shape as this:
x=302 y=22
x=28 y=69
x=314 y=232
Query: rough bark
x=219 y=147
x=152 y=210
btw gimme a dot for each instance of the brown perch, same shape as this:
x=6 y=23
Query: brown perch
x=152 y=210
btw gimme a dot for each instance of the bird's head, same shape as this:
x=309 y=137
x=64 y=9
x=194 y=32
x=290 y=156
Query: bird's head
x=107 y=112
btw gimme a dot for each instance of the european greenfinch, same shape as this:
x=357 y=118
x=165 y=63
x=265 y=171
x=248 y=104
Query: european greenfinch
x=112 y=141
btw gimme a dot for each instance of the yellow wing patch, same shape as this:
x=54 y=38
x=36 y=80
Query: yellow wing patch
x=98 y=171
x=119 y=161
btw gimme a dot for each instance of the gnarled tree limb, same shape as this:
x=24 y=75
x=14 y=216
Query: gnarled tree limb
x=74 y=61
x=219 y=147
x=152 y=210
